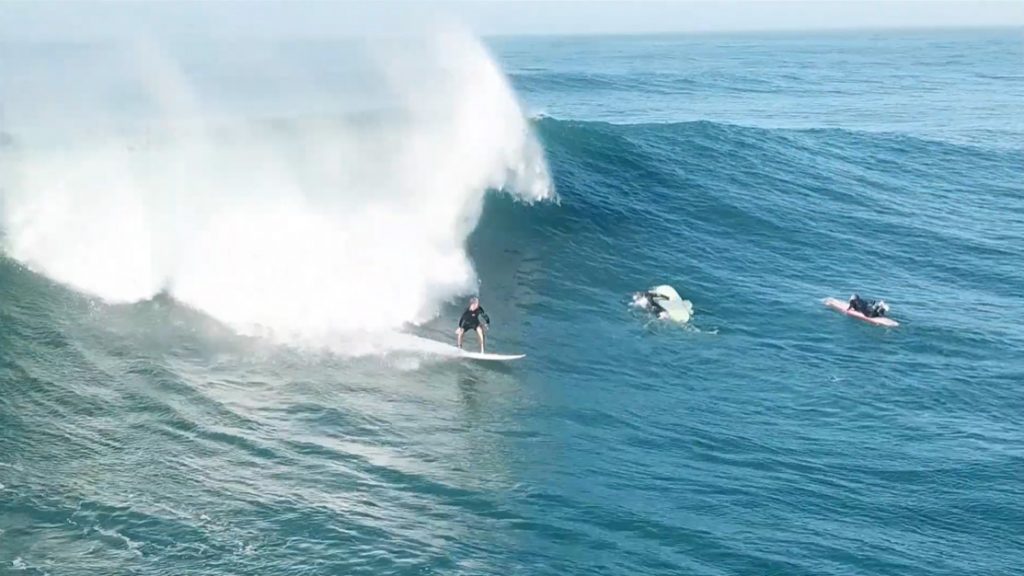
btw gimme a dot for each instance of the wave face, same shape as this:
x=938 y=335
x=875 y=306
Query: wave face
x=303 y=227
x=319 y=188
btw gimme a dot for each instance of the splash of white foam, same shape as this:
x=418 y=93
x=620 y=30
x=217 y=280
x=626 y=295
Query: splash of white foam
x=307 y=230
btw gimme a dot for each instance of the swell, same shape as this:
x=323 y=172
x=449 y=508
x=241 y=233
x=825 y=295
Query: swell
x=776 y=216
x=647 y=82
x=765 y=210
x=774 y=182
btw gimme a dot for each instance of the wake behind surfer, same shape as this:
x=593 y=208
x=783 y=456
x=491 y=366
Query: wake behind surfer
x=470 y=321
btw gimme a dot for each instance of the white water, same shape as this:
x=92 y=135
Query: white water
x=304 y=229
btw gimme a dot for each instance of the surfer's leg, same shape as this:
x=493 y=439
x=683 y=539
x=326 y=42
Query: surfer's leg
x=480 y=335
x=458 y=337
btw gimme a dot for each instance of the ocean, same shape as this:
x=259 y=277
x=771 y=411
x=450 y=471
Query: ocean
x=231 y=272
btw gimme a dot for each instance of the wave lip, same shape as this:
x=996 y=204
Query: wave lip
x=303 y=228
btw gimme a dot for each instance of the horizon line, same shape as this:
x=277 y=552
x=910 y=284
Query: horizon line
x=523 y=35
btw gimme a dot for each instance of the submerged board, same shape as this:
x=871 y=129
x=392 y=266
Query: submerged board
x=492 y=357
x=843 y=307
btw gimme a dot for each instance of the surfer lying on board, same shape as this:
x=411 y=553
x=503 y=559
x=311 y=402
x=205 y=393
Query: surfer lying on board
x=869 y=308
x=650 y=300
x=470 y=320
x=665 y=303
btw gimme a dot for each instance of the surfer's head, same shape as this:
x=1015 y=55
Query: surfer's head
x=474 y=303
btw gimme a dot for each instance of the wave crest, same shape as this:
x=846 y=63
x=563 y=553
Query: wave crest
x=306 y=227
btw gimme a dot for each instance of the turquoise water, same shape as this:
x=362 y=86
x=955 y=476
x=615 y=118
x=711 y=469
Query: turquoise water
x=757 y=174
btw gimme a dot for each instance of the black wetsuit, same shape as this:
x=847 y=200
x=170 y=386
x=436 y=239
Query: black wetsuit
x=470 y=319
x=868 y=308
x=654 y=302
x=857 y=304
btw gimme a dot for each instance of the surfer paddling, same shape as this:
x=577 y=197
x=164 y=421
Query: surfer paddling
x=470 y=321
x=665 y=303
x=869 y=308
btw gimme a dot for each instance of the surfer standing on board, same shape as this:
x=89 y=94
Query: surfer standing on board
x=470 y=320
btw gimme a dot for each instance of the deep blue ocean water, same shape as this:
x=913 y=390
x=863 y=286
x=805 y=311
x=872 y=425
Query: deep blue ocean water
x=757 y=174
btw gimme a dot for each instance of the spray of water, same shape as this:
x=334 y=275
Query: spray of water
x=304 y=227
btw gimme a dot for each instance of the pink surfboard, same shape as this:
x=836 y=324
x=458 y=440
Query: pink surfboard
x=840 y=306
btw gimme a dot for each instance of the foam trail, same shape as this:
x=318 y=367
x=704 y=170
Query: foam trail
x=304 y=228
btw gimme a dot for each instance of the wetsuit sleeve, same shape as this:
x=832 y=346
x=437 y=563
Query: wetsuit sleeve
x=487 y=319
x=463 y=319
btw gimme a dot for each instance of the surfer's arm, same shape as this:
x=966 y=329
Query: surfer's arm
x=487 y=319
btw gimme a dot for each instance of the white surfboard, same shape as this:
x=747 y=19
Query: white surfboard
x=677 y=310
x=492 y=357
